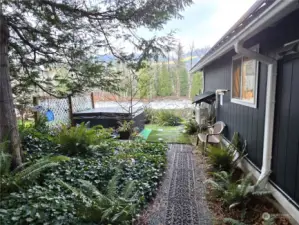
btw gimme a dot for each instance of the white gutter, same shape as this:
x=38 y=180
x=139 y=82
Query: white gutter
x=275 y=12
x=270 y=107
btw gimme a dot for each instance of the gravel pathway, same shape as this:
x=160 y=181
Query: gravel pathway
x=181 y=198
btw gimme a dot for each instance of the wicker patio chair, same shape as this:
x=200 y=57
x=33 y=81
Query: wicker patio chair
x=213 y=136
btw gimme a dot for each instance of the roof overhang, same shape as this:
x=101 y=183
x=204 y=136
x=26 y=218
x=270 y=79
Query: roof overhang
x=276 y=11
x=207 y=97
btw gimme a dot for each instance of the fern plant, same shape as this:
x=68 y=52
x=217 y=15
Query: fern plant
x=191 y=127
x=76 y=140
x=220 y=158
x=112 y=208
x=17 y=179
x=220 y=183
x=234 y=193
x=241 y=192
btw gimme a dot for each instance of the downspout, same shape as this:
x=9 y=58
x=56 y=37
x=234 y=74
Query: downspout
x=270 y=107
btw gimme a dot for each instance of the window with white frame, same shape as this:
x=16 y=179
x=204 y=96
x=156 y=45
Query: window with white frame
x=244 y=80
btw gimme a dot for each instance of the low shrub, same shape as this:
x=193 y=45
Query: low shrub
x=149 y=115
x=36 y=144
x=191 y=127
x=167 y=118
x=154 y=116
x=126 y=126
x=76 y=140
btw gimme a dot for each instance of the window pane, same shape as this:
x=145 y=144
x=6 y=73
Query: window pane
x=237 y=78
x=248 y=79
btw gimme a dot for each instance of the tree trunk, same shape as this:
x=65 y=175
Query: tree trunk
x=8 y=121
x=178 y=83
x=190 y=76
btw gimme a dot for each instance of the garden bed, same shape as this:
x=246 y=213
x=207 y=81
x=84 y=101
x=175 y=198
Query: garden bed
x=103 y=181
x=259 y=210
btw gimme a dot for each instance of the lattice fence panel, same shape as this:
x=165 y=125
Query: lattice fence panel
x=60 y=109
x=81 y=103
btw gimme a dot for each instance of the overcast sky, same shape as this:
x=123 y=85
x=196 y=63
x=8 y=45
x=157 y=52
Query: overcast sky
x=205 y=21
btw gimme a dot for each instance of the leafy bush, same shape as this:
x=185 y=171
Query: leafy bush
x=36 y=144
x=191 y=127
x=149 y=115
x=41 y=124
x=156 y=116
x=126 y=126
x=167 y=118
x=220 y=158
x=76 y=140
x=112 y=208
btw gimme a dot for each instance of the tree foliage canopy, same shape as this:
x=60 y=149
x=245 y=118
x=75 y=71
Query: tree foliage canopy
x=70 y=33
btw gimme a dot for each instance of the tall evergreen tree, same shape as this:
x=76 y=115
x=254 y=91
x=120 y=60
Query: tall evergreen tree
x=164 y=82
x=68 y=33
x=196 y=87
x=183 y=81
x=179 y=66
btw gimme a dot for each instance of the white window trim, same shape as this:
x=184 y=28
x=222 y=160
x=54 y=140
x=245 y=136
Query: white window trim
x=244 y=102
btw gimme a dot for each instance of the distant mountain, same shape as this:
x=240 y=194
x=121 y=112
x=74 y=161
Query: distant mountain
x=196 y=56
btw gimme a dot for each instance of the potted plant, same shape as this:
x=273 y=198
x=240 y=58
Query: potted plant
x=125 y=129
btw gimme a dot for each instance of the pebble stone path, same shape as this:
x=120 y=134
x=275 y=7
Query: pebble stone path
x=181 y=198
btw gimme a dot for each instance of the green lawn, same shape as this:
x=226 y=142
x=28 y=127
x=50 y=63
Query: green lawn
x=167 y=134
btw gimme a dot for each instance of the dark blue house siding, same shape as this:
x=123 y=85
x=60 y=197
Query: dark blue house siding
x=286 y=142
x=247 y=121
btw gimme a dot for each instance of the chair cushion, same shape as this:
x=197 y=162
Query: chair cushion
x=212 y=138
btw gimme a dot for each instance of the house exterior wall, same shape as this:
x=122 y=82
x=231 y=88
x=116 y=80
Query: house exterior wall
x=249 y=122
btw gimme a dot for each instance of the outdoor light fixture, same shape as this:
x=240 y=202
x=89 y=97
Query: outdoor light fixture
x=220 y=92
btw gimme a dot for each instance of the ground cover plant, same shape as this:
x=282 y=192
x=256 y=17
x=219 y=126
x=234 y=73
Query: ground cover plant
x=50 y=198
